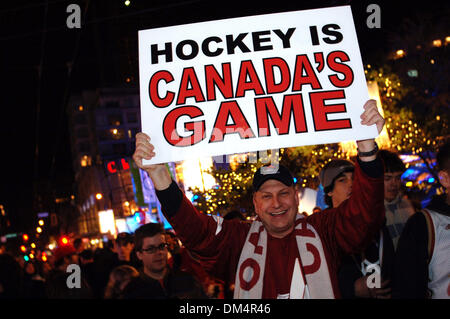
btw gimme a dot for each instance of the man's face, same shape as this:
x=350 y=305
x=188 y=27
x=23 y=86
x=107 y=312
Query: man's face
x=156 y=261
x=276 y=205
x=342 y=188
x=124 y=250
x=392 y=185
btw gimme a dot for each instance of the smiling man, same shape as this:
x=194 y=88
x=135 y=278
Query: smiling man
x=281 y=254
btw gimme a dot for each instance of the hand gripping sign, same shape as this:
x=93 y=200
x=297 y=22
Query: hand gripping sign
x=252 y=83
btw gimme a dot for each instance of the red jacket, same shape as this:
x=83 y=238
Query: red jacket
x=343 y=230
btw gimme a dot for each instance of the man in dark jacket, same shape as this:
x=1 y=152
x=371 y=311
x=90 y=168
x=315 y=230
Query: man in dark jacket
x=377 y=258
x=157 y=280
x=422 y=261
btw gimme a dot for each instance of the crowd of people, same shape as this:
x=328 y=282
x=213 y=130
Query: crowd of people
x=371 y=241
x=131 y=266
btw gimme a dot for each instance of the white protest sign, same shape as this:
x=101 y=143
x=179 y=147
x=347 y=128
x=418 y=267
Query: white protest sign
x=253 y=83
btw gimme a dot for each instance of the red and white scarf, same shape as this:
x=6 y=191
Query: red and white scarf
x=311 y=276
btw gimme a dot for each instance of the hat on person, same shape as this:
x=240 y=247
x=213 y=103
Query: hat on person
x=277 y=172
x=124 y=238
x=332 y=170
x=64 y=251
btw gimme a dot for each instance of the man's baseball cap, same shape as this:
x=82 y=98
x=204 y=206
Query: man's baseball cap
x=277 y=172
x=332 y=170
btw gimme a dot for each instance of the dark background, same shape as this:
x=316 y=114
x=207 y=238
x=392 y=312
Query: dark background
x=42 y=63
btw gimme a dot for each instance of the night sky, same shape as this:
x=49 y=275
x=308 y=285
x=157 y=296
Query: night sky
x=102 y=54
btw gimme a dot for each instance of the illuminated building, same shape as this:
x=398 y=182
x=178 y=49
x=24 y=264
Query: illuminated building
x=102 y=125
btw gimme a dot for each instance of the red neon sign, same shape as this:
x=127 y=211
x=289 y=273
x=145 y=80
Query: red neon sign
x=112 y=165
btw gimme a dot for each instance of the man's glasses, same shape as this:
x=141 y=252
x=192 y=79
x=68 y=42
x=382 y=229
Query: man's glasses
x=153 y=249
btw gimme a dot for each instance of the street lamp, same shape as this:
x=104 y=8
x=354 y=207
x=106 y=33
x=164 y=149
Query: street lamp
x=98 y=196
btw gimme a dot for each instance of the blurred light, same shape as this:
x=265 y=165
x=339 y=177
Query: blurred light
x=408 y=159
x=409 y=184
x=121 y=225
x=447 y=40
x=64 y=240
x=80 y=108
x=25 y=237
x=41 y=222
x=400 y=53
x=194 y=174
x=431 y=180
x=127 y=203
x=127 y=2
x=432 y=61
x=23 y=248
x=107 y=221
x=438 y=118
x=413 y=73
x=137 y=218
x=295 y=180
x=31 y=256
x=33 y=245
x=39 y=230
x=437 y=43
x=26 y=258
x=44 y=258
x=98 y=196
x=85 y=161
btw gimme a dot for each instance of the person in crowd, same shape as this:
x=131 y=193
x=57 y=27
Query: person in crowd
x=422 y=261
x=78 y=245
x=56 y=283
x=11 y=278
x=34 y=281
x=281 y=254
x=156 y=279
x=234 y=214
x=123 y=246
x=181 y=259
x=336 y=178
x=87 y=266
x=119 y=278
x=398 y=206
x=105 y=259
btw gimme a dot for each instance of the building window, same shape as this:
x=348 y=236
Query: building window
x=86 y=160
x=132 y=117
x=112 y=105
x=119 y=149
x=117 y=133
x=82 y=133
x=80 y=119
x=115 y=119
x=101 y=120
